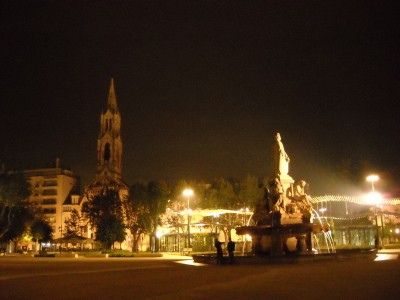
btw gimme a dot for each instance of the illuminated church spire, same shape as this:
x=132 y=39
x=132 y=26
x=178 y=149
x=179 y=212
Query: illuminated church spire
x=109 y=144
x=109 y=151
x=112 y=99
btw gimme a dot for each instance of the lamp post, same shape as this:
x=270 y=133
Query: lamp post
x=372 y=179
x=374 y=197
x=188 y=193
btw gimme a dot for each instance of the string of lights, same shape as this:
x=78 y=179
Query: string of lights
x=358 y=217
x=357 y=200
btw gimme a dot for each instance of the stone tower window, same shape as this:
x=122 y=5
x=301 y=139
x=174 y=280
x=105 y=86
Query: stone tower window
x=107 y=152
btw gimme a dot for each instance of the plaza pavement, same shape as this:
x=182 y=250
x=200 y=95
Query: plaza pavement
x=176 y=277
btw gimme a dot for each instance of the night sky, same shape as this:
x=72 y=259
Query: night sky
x=202 y=86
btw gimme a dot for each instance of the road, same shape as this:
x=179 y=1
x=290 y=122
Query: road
x=176 y=278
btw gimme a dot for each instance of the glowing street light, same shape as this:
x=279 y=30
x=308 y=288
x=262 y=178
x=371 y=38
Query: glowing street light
x=187 y=193
x=323 y=209
x=372 y=179
x=375 y=199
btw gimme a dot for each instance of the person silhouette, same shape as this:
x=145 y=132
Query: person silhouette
x=231 y=251
x=218 y=246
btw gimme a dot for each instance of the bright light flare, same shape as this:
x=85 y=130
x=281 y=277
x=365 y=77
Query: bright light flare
x=187 y=192
x=191 y=262
x=372 y=178
x=384 y=256
x=373 y=198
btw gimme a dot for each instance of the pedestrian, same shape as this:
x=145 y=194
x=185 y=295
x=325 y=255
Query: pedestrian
x=218 y=246
x=376 y=243
x=231 y=251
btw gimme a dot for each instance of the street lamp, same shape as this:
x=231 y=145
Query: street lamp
x=375 y=199
x=372 y=179
x=188 y=193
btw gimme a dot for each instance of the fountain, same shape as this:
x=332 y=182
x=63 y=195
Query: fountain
x=284 y=219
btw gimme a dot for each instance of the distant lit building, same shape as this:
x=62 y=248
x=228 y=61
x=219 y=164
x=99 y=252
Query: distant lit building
x=55 y=191
x=356 y=222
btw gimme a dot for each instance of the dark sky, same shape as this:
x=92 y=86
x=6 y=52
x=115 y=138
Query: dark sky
x=202 y=85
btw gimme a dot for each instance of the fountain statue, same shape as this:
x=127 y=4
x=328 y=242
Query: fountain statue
x=283 y=217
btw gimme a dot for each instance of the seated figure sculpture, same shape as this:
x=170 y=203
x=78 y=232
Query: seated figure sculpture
x=302 y=199
x=277 y=202
x=271 y=206
x=276 y=196
x=261 y=212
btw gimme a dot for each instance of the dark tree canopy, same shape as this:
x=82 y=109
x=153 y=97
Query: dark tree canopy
x=147 y=201
x=14 y=210
x=105 y=214
x=73 y=224
x=110 y=229
x=41 y=230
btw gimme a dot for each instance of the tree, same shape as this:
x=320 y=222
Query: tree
x=19 y=221
x=105 y=214
x=40 y=230
x=110 y=229
x=220 y=195
x=136 y=213
x=146 y=203
x=14 y=211
x=158 y=193
x=250 y=192
x=73 y=224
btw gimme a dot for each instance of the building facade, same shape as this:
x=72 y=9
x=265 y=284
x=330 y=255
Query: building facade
x=54 y=191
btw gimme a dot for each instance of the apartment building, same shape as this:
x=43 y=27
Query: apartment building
x=55 y=192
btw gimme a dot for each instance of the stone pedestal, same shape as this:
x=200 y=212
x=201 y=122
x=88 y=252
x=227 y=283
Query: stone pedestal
x=301 y=244
x=277 y=244
x=287 y=185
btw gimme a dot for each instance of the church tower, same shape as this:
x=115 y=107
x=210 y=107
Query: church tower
x=109 y=150
x=109 y=143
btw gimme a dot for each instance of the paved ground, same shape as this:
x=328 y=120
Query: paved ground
x=175 y=277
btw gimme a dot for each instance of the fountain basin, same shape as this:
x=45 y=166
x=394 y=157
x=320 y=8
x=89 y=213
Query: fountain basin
x=281 y=239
